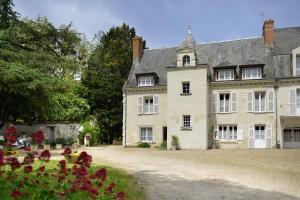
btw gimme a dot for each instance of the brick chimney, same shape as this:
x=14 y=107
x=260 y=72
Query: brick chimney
x=137 y=49
x=268 y=32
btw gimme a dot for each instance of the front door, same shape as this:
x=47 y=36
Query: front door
x=165 y=133
x=51 y=134
x=259 y=137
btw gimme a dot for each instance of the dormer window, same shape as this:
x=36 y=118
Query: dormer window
x=146 y=80
x=224 y=74
x=252 y=73
x=298 y=65
x=186 y=60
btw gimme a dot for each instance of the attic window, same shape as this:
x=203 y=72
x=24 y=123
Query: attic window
x=186 y=60
x=146 y=80
x=224 y=74
x=252 y=73
x=298 y=65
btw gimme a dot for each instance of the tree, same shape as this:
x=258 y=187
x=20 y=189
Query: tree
x=7 y=15
x=108 y=68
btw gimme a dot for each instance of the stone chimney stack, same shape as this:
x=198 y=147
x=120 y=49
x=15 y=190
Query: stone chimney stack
x=268 y=32
x=137 y=49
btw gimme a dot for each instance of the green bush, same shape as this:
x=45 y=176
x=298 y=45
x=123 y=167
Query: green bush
x=175 y=140
x=47 y=141
x=70 y=140
x=144 y=145
x=91 y=128
x=163 y=145
x=62 y=141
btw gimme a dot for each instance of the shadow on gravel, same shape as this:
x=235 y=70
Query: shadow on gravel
x=207 y=189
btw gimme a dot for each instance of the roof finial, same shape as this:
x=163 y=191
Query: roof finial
x=189 y=29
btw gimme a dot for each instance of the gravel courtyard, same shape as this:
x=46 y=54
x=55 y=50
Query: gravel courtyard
x=211 y=174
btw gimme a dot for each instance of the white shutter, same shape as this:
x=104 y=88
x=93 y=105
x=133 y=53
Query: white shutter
x=155 y=103
x=271 y=101
x=191 y=121
x=292 y=98
x=233 y=102
x=251 y=136
x=240 y=133
x=216 y=134
x=215 y=103
x=269 y=137
x=249 y=101
x=140 y=105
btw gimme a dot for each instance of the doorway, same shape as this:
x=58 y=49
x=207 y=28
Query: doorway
x=165 y=133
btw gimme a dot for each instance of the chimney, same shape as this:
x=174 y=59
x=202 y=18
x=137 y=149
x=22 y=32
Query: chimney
x=268 y=32
x=137 y=49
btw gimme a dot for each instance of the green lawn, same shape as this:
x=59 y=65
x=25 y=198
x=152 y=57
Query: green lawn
x=124 y=182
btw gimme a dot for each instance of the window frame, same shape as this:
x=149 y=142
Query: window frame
x=186 y=61
x=184 y=122
x=297 y=64
x=145 y=138
x=251 y=70
x=224 y=102
x=221 y=71
x=143 y=82
x=259 y=132
x=184 y=90
x=260 y=110
x=148 y=108
x=227 y=130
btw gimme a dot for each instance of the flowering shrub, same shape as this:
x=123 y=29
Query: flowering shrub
x=38 y=137
x=26 y=180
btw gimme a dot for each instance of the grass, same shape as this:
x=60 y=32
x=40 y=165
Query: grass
x=124 y=182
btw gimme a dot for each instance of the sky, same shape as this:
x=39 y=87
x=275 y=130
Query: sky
x=164 y=23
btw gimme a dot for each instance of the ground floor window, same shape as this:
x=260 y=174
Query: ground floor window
x=186 y=121
x=228 y=132
x=291 y=135
x=146 y=134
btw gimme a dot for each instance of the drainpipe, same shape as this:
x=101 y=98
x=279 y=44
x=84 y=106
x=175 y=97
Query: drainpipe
x=276 y=111
x=125 y=115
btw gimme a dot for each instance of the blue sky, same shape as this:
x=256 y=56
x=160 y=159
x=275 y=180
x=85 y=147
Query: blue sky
x=163 y=23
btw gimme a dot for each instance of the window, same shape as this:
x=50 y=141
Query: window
x=297 y=135
x=146 y=134
x=72 y=128
x=186 y=87
x=298 y=98
x=259 y=102
x=186 y=61
x=145 y=81
x=225 y=74
x=297 y=65
x=148 y=105
x=186 y=121
x=288 y=135
x=252 y=73
x=224 y=102
x=228 y=132
x=259 y=133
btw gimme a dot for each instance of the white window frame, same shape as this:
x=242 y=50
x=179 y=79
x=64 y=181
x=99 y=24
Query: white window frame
x=297 y=64
x=260 y=132
x=148 y=137
x=148 y=106
x=186 y=60
x=186 y=121
x=228 y=132
x=223 y=74
x=260 y=101
x=252 y=73
x=185 y=89
x=145 y=80
x=224 y=103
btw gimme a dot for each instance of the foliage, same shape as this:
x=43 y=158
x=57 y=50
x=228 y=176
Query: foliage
x=61 y=141
x=24 y=180
x=163 y=145
x=46 y=141
x=144 y=145
x=175 y=140
x=108 y=68
x=7 y=14
x=89 y=126
x=70 y=141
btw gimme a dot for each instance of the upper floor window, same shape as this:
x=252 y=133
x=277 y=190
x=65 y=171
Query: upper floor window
x=259 y=102
x=148 y=104
x=186 y=121
x=145 y=81
x=252 y=73
x=297 y=65
x=186 y=61
x=185 y=87
x=225 y=74
x=224 y=102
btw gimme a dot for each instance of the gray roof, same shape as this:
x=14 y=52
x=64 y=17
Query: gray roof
x=277 y=60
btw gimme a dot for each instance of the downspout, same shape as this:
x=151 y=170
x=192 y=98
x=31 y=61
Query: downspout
x=125 y=115
x=276 y=111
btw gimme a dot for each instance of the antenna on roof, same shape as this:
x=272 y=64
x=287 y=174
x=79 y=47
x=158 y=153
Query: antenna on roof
x=261 y=13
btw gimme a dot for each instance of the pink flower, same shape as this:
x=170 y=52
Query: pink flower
x=42 y=169
x=28 y=169
x=15 y=194
x=45 y=155
x=67 y=151
x=10 y=130
x=13 y=162
x=101 y=174
x=84 y=159
x=38 y=137
x=1 y=157
x=110 y=188
x=120 y=196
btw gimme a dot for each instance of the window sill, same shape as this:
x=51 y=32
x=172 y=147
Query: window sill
x=228 y=141
x=148 y=113
x=186 y=128
x=185 y=94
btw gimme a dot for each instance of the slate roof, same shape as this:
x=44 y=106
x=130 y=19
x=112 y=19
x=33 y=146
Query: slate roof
x=277 y=60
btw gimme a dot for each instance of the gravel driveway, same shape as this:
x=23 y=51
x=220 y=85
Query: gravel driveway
x=212 y=174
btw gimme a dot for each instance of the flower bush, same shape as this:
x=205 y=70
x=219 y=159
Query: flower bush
x=30 y=179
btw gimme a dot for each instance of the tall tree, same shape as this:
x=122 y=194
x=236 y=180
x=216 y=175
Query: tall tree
x=108 y=68
x=7 y=14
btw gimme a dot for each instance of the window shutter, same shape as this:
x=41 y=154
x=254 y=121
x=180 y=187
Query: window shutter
x=251 y=136
x=292 y=97
x=191 y=121
x=140 y=105
x=269 y=137
x=250 y=102
x=155 y=103
x=216 y=134
x=271 y=101
x=233 y=102
x=240 y=133
x=215 y=103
